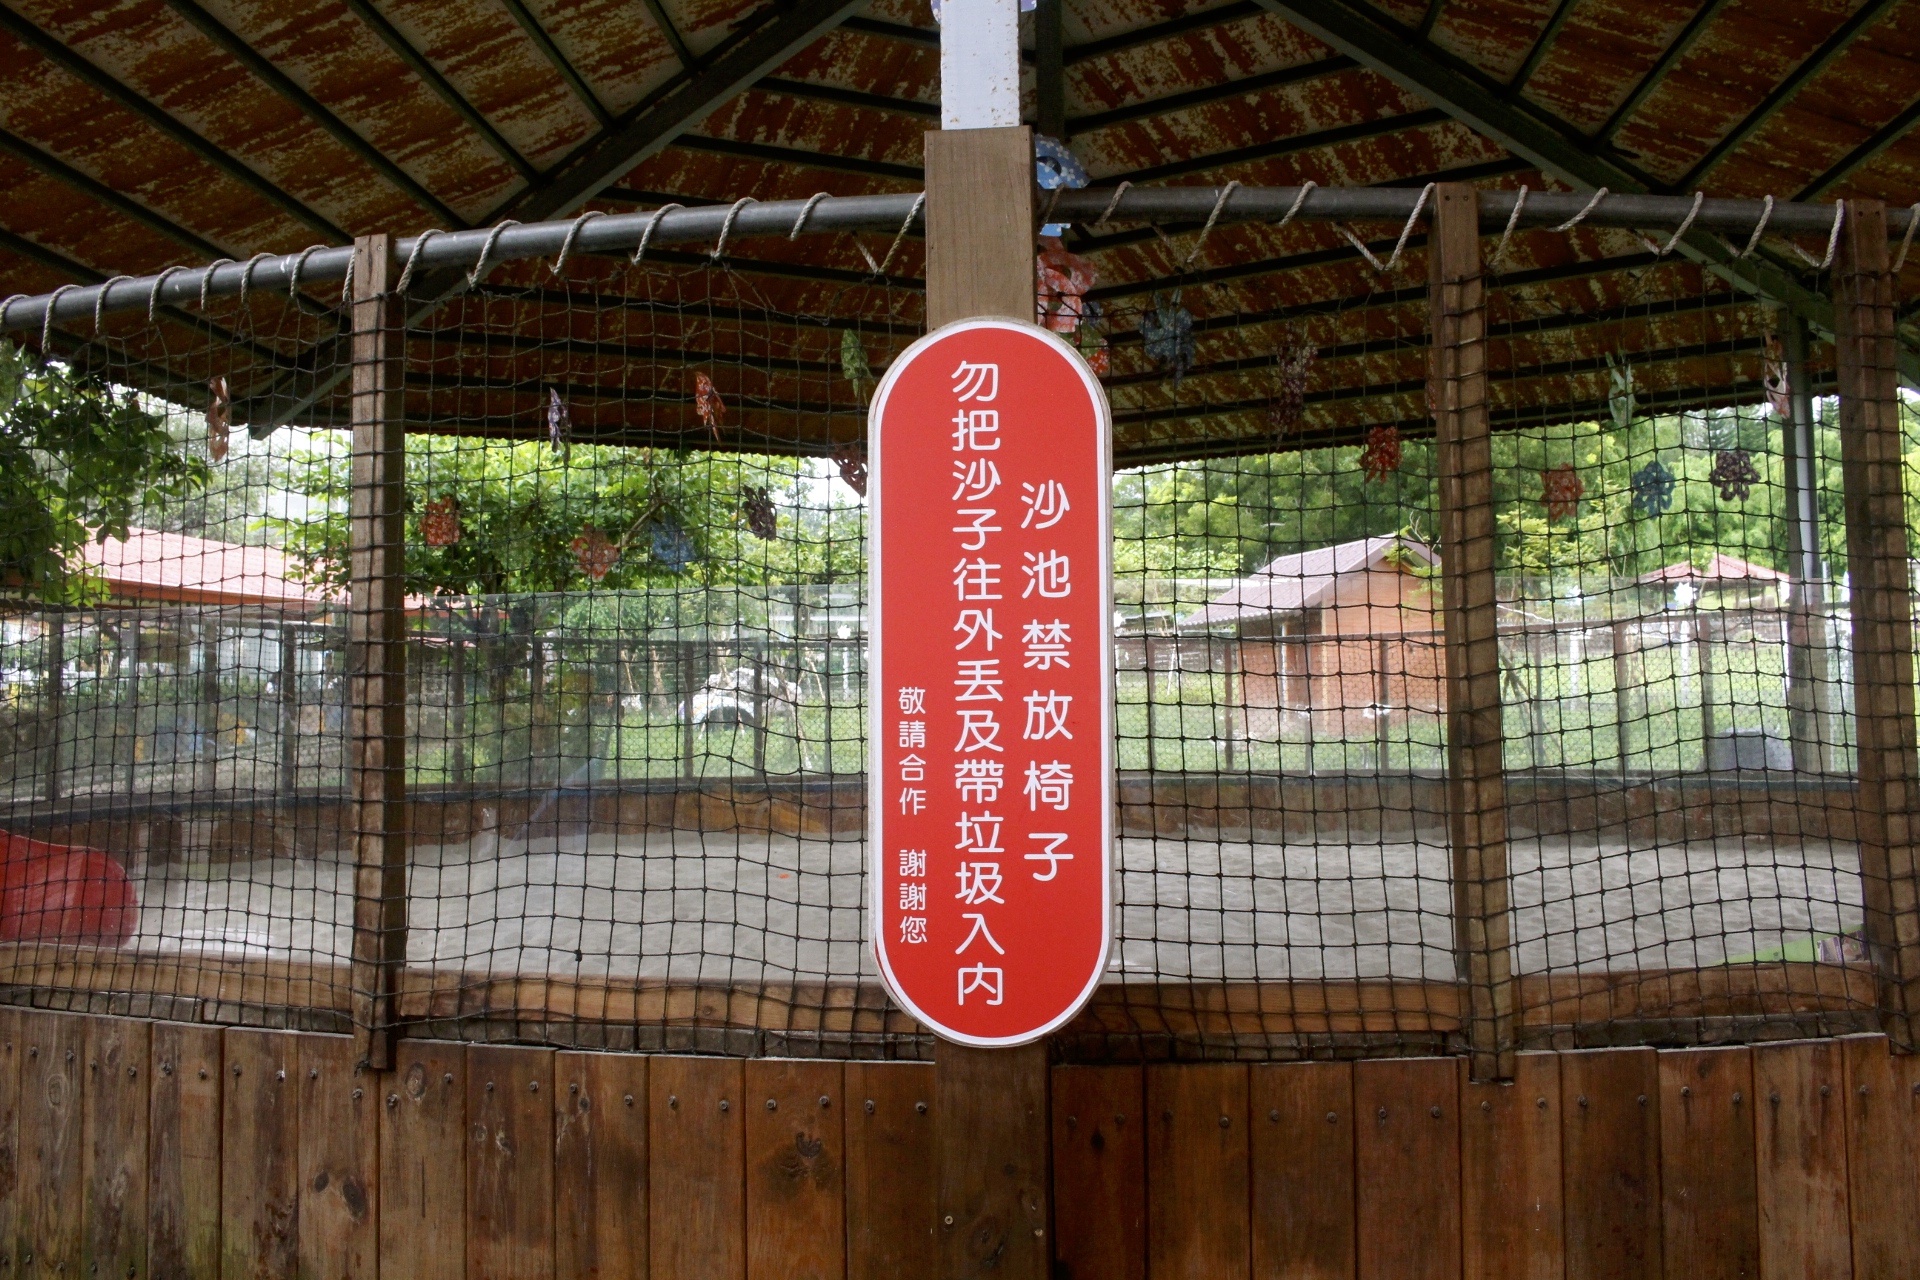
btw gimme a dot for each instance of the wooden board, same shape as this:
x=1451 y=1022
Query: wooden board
x=509 y=1163
x=339 y=1161
x=422 y=1188
x=890 y=1191
x=1099 y=1173
x=1303 y=1170
x=696 y=1179
x=1710 y=1227
x=600 y=1166
x=796 y=1170
x=183 y=1151
x=1800 y=1144
x=259 y=1158
x=1199 y=1170
x=12 y=1054
x=991 y=1144
x=52 y=1145
x=1610 y=1162
x=1511 y=1213
x=116 y=1146
x=979 y=224
x=1881 y=1137
x=1407 y=1118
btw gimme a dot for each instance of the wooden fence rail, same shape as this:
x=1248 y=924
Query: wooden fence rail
x=139 y=1149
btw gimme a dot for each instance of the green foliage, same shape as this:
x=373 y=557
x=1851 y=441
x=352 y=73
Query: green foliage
x=79 y=459
x=522 y=506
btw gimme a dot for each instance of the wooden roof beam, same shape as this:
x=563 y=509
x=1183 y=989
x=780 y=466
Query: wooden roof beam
x=653 y=125
x=339 y=130
x=160 y=122
x=1542 y=46
x=1397 y=54
x=801 y=159
x=686 y=56
x=443 y=88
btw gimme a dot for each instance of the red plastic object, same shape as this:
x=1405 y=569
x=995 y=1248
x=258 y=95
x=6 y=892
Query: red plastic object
x=60 y=893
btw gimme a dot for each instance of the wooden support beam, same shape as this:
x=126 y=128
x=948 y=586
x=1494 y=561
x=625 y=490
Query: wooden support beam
x=990 y=1115
x=377 y=649
x=1476 y=782
x=1878 y=563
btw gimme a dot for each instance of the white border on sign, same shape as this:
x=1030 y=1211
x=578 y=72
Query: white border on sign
x=876 y=615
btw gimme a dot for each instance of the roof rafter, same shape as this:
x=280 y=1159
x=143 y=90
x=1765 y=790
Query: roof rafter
x=339 y=130
x=1396 y=54
x=430 y=75
x=795 y=156
x=1169 y=103
x=654 y=124
x=1542 y=46
x=576 y=83
x=71 y=62
x=1284 y=146
x=1816 y=62
x=62 y=172
x=662 y=20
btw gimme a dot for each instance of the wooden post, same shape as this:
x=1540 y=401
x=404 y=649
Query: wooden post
x=1878 y=568
x=461 y=766
x=1621 y=707
x=687 y=673
x=377 y=649
x=1476 y=781
x=1703 y=668
x=209 y=706
x=1808 y=697
x=990 y=1115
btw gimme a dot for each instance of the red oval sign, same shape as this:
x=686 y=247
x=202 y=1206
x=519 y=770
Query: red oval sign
x=990 y=688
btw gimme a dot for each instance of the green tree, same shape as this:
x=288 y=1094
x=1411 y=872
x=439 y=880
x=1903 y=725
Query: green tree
x=79 y=459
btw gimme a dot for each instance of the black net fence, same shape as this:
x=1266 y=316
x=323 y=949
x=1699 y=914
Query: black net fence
x=635 y=635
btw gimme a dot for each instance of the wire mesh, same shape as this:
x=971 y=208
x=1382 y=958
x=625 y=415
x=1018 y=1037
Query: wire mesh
x=636 y=627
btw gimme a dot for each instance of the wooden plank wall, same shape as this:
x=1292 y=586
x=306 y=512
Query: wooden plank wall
x=142 y=1149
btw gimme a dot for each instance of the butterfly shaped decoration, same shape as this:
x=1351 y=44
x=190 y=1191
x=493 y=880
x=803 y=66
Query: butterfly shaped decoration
x=559 y=421
x=852 y=459
x=707 y=404
x=1561 y=490
x=1621 y=403
x=1773 y=375
x=219 y=418
x=1062 y=279
x=593 y=552
x=1290 y=391
x=756 y=507
x=1380 y=457
x=1092 y=346
x=853 y=364
x=1733 y=474
x=1653 y=488
x=1056 y=167
x=440 y=526
x=670 y=544
x=1166 y=332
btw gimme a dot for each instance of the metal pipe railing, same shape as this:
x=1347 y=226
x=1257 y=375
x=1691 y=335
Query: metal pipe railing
x=623 y=233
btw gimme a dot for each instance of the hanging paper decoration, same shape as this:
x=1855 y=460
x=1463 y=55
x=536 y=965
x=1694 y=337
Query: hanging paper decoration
x=672 y=548
x=707 y=403
x=1733 y=474
x=853 y=364
x=1561 y=490
x=1290 y=390
x=594 y=553
x=440 y=526
x=1774 y=377
x=1653 y=488
x=559 y=421
x=1055 y=166
x=852 y=459
x=756 y=507
x=1166 y=331
x=1381 y=456
x=1620 y=397
x=1062 y=279
x=219 y=418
